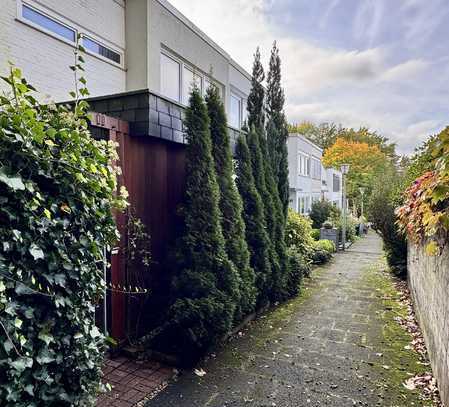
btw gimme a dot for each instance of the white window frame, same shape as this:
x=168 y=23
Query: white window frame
x=243 y=102
x=77 y=30
x=185 y=65
x=303 y=164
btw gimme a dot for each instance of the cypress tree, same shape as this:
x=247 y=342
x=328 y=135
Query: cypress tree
x=255 y=104
x=265 y=183
x=259 y=170
x=205 y=288
x=277 y=129
x=231 y=205
x=256 y=234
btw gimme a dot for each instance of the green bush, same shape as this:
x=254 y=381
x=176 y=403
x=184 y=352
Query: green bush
x=256 y=234
x=231 y=205
x=57 y=194
x=315 y=234
x=324 y=244
x=298 y=267
x=298 y=232
x=206 y=284
x=386 y=196
x=321 y=211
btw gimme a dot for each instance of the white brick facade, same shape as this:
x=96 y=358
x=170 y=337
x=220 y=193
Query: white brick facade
x=45 y=60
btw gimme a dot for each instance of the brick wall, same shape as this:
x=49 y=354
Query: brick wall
x=45 y=60
x=429 y=285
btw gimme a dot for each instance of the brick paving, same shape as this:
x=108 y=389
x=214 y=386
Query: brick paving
x=336 y=345
x=132 y=381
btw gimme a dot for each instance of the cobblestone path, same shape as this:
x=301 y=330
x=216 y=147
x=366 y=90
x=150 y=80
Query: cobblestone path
x=335 y=345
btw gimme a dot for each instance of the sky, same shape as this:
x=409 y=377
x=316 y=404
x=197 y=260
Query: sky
x=383 y=64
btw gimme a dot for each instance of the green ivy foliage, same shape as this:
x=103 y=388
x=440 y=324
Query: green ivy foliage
x=256 y=234
x=205 y=285
x=231 y=205
x=57 y=194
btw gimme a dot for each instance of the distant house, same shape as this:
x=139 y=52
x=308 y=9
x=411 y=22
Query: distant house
x=309 y=180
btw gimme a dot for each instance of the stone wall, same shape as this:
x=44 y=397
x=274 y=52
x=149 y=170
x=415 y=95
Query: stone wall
x=429 y=285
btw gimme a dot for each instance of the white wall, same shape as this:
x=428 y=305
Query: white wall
x=45 y=60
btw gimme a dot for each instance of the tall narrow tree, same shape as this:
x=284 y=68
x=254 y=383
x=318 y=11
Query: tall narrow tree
x=205 y=287
x=231 y=205
x=255 y=104
x=277 y=128
x=256 y=234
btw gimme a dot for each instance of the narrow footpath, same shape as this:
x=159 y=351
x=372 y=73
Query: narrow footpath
x=335 y=345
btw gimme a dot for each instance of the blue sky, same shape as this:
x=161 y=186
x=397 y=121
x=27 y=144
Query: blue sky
x=377 y=63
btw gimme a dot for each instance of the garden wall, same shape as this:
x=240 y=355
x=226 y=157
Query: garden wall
x=429 y=285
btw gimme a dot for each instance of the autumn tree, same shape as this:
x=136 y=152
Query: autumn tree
x=366 y=162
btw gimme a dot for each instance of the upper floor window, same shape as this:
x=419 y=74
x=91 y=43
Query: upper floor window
x=316 y=168
x=235 y=111
x=189 y=80
x=178 y=79
x=101 y=50
x=48 y=23
x=336 y=183
x=170 y=78
x=304 y=165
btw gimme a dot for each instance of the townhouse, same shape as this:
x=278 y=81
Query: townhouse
x=309 y=180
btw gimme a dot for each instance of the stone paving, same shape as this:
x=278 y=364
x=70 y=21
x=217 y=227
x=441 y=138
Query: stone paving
x=131 y=381
x=335 y=345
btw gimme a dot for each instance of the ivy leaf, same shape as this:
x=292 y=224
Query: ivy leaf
x=36 y=252
x=21 y=364
x=45 y=337
x=18 y=323
x=14 y=182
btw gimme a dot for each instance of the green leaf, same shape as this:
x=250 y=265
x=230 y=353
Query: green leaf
x=36 y=252
x=21 y=364
x=14 y=182
x=18 y=323
x=45 y=337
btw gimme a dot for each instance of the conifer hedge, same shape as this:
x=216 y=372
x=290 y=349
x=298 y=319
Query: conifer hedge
x=230 y=203
x=206 y=283
x=256 y=235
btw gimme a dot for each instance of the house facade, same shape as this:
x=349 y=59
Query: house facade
x=309 y=180
x=142 y=58
x=130 y=45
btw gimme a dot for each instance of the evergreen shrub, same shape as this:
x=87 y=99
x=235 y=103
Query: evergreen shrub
x=253 y=214
x=230 y=203
x=205 y=282
x=322 y=211
x=57 y=194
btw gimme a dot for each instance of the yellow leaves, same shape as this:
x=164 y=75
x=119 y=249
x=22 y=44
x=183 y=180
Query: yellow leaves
x=432 y=248
x=362 y=156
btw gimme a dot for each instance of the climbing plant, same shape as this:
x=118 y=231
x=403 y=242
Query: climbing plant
x=57 y=193
x=425 y=214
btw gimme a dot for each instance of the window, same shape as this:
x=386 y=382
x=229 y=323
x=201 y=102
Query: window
x=336 y=183
x=48 y=23
x=304 y=204
x=170 y=77
x=244 y=111
x=316 y=168
x=235 y=111
x=189 y=79
x=304 y=165
x=99 y=49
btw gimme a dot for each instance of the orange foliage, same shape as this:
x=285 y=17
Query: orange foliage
x=361 y=156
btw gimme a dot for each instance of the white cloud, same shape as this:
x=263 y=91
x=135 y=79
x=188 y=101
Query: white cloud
x=348 y=86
